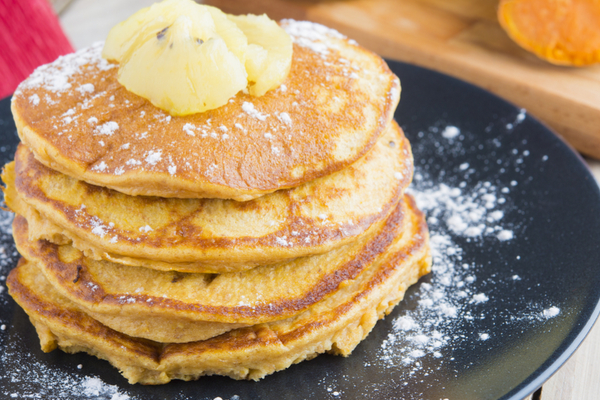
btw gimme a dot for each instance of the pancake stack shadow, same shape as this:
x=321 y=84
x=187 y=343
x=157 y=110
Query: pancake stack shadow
x=233 y=242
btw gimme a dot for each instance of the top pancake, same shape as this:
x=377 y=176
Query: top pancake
x=333 y=106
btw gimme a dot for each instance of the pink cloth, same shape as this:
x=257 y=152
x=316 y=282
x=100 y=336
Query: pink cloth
x=31 y=36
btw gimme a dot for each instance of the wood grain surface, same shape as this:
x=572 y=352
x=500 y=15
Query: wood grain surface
x=579 y=377
x=461 y=38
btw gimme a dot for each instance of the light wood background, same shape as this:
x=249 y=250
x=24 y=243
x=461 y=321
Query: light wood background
x=439 y=32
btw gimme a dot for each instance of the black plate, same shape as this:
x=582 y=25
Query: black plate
x=553 y=212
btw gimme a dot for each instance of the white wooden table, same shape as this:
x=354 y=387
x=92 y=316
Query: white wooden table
x=87 y=21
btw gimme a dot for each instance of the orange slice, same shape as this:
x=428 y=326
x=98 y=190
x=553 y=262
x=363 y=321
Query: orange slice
x=563 y=32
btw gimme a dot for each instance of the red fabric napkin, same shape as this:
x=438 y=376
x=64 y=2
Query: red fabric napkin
x=31 y=36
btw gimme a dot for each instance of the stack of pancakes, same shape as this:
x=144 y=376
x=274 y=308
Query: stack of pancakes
x=234 y=242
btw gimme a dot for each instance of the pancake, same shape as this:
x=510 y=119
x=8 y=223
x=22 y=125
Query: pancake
x=165 y=306
x=330 y=111
x=211 y=235
x=245 y=353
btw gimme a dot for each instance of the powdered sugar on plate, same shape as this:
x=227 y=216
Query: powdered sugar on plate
x=460 y=212
x=31 y=379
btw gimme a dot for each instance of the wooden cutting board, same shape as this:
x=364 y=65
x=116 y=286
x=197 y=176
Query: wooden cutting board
x=461 y=38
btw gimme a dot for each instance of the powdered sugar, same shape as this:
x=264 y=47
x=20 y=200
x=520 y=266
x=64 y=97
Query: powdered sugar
x=56 y=76
x=101 y=167
x=189 y=129
x=86 y=88
x=311 y=35
x=31 y=378
x=107 y=128
x=450 y=132
x=285 y=118
x=470 y=213
x=34 y=99
x=99 y=229
x=480 y=298
x=95 y=387
x=518 y=119
x=153 y=157
x=551 y=312
x=505 y=235
x=253 y=112
x=146 y=229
